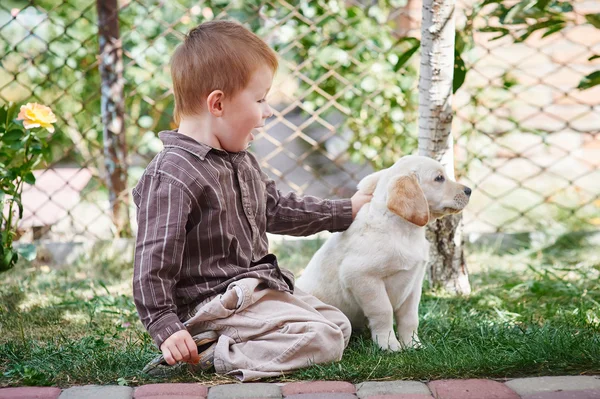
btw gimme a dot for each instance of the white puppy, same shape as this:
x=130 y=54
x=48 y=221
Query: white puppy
x=374 y=270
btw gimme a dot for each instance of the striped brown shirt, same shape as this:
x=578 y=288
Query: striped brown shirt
x=203 y=215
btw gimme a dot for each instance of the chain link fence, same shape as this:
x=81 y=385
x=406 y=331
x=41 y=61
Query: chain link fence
x=345 y=100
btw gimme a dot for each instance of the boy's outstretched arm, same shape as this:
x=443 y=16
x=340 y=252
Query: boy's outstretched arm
x=305 y=215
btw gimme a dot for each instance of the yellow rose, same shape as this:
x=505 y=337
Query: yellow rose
x=37 y=115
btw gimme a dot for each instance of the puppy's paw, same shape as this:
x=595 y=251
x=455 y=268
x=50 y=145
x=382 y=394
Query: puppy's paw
x=412 y=343
x=387 y=341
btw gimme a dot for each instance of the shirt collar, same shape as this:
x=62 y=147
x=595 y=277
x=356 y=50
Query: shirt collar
x=172 y=138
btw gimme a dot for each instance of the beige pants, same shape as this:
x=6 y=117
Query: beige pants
x=271 y=332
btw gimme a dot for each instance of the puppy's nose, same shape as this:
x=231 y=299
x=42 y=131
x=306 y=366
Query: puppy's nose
x=468 y=191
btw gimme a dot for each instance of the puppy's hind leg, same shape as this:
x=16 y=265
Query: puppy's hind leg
x=372 y=297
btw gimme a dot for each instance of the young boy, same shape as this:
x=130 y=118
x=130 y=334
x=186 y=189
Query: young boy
x=205 y=286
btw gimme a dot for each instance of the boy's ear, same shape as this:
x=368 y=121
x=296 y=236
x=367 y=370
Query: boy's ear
x=214 y=102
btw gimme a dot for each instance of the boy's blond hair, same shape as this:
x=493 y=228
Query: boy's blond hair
x=216 y=55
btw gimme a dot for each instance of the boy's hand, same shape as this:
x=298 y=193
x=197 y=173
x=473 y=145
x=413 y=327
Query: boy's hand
x=358 y=200
x=180 y=347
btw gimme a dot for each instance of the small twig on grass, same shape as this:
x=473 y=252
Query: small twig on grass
x=374 y=368
x=22 y=332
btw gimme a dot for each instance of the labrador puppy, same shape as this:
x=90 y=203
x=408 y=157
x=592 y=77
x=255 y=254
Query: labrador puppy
x=374 y=271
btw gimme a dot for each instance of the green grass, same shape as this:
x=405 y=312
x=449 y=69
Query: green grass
x=533 y=311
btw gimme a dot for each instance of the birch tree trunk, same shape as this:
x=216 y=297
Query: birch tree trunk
x=447 y=268
x=113 y=109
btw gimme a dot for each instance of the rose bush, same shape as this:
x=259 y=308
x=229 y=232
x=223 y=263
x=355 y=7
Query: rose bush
x=23 y=145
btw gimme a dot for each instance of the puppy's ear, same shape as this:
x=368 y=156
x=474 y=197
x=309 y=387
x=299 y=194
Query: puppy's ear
x=368 y=183
x=407 y=200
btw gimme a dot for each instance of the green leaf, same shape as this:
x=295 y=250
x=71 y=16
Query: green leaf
x=28 y=251
x=8 y=259
x=12 y=136
x=537 y=26
x=403 y=59
x=47 y=155
x=29 y=178
x=8 y=186
x=513 y=14
x=15 y=145
x=565 y=6
x=508 y=81
x=589 y=81
x=11 y=113
x=503 y=31
x=3 y=113
x=593 y=19
x=460 y=44
x=460 y=72
x=42 y=133
x=593 y=57
x=541 y=4
x=554 y=29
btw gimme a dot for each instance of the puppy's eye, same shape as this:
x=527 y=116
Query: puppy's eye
x=440 y=178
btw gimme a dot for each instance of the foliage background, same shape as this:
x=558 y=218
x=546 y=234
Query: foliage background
x=345 y=97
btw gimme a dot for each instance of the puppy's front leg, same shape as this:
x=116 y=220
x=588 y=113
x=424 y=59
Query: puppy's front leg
x=407 y=320
x=372 y=297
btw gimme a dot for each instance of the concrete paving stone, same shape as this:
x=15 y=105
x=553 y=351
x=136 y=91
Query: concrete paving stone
x=366 y=389
x=585 y=394
x=296 y=388
x=97 y=392
x=401 y=396
x=471 y=389
x=179 y=391
x=248 y=390
x=526 y=386
x=322 y=395
x=30 y=393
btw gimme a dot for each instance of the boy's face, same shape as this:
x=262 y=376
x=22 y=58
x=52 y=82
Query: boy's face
x=246 y=111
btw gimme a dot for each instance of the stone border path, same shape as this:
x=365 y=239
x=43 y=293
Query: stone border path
x=573 y=387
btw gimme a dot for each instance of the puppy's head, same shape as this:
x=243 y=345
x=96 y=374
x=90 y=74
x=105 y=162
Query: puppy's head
x=417 y=189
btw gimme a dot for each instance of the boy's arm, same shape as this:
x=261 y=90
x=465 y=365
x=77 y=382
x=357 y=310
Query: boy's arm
x=163 y=210
x=301 y=216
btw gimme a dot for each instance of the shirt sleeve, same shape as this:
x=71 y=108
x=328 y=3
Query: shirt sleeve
x=304 y=215
x=162 y=213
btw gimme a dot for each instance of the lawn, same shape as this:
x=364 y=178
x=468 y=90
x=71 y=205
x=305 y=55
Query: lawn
x=534 y=310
